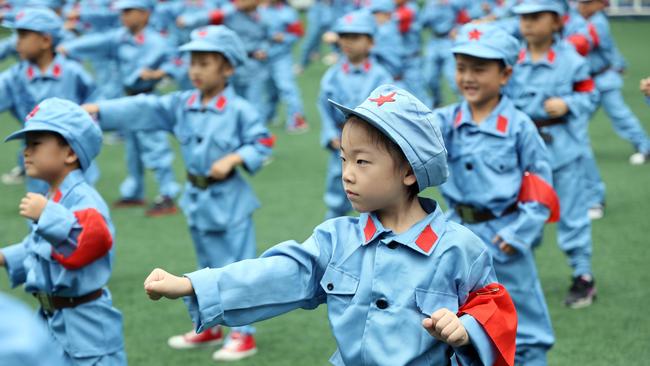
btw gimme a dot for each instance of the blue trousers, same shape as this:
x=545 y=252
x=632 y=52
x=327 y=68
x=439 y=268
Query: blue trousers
x=440 y=62
x=413 y=79
x=250 y=82
x=151 y=150
x=283 y=86
x=335 y=198
x=595 y=185
x=319 y=20
x=215 y=249
x=518 y=273
x=625 y=123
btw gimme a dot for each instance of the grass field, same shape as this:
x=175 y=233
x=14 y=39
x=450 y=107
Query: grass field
x=615 y=331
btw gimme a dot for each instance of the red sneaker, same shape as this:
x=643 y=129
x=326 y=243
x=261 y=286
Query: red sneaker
x=162 y=205
x=209 y=337
x=238 y=347
x=299 y=125
x=128 y=202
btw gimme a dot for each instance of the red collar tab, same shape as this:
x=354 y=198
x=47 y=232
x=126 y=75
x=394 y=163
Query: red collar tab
x=427 y=239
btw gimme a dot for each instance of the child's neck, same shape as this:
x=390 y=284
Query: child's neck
x=55 y=182
x=538 y=50
x=44 y=60
x=207 y=95
x=481 y=111
x=402 y=216
x=358 y=61
x=136 y=29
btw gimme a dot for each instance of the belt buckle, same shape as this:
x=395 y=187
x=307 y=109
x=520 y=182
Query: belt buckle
x=547 y=137
x=202 y=182
x=466 y=213
x=47 y=306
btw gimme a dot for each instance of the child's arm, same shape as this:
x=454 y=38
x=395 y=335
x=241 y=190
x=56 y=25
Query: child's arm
x=537 y=201
x=584 y=98
x=292 y=33
x=8 y=79
x=137 y=113
x=86 y=88
x=284 y=278
x=200 y=18
x=330 y=135
x=257 y=143
x=12 y=258
x=100 y=45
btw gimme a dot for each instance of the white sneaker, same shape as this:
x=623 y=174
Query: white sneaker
x=597 y=212
x=330 y=59
x=15 y=176
x=238 y=347
x=638 y=158
x=189 y=340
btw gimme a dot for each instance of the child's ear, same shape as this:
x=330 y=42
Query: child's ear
x=409 y=178
x=228 y=70
x=506 y=73
x=71 y=157
x=48 y=42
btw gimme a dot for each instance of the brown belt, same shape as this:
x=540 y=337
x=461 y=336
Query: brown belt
x=601 y=71
x=131 y=92
x=203 y=182
x=50 y=303
x=472 y=215
x=549 y=122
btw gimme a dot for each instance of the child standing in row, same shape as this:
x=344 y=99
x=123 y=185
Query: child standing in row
x=353 y=77
x=66 y=260
x=403 y=286
x=500 y=174
x=218 y=131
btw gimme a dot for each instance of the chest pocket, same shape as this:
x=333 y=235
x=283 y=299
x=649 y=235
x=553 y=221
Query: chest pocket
x=340 y=288
x=500 y=163
x=429 y=301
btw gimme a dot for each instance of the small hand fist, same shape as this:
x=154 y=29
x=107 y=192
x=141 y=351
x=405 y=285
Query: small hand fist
x=259 y=55
x=556 y=107
x=163 y=284
x=32 y=206
x=330 y=37
x=446 y=327
x=278 y=37
x=90 y=108
x=222 y=168
x=180 y=22
x=335 y=144
x=503 y=245
x=645 y=86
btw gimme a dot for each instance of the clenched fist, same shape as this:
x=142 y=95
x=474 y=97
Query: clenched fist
x=32 y=206
x=447 y=327
x=161 y=283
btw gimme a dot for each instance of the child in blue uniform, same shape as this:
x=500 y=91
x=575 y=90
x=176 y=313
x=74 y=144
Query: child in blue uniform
x=218 y=131
x=66 y=260
x=551 y=83
x=354 y=76
x=400 y=282
x=407 y=17
x=42 y=74
x=499 y=177
x=285 y=29
x=136 y=47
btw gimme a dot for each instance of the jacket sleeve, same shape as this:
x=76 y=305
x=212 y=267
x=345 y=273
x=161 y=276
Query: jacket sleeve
x=98 y=45
x=257 y=141
x=154 y=112
x=14 y=257
x=329 y=129
x=583 y=100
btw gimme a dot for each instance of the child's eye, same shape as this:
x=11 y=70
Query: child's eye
x=362 y=162
x=342 y=158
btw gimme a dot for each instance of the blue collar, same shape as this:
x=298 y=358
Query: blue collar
x=217 y=104
x=54 y=71
x=71 y=180
x=496 y=123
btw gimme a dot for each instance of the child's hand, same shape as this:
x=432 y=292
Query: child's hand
x=259 y=55
x=2 y=259
x=180 y=22
x=91 y=108
x=446 y=327
x=222 y=168
x=61 y=50
x=335 y=144
x=278 y=37
x=503 y=245
x=645 y=86
x=330 y=37
x=148 y=74
x=32 y=206
x=163 y=284
x=556 y=107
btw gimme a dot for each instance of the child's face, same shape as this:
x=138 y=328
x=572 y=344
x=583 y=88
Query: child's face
x=209 y=71
x=382 y=17
x=372 y=179
x=134 y=19
x=32 y=45
x=399 y=3
x=589 y=8
x=355 y=46
x=539 y=27
x=480 y=80
x=247 y=5
x=46 y=156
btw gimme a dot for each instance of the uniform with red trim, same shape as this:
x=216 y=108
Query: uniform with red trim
x=25 y=84
x=285 y=29
x=135 y=49
x=66 y=260
x=500 y=186
x=348 y=84
x=558 y=94
x=218 y=209
x=379 y=285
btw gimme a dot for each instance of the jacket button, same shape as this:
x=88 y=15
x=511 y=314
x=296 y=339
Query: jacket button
x=330 y=286
x=382 y=304
x=392 y=245
x=469 y=166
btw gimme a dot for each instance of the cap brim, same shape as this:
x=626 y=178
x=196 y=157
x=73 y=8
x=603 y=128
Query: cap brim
x=353 y=30
x=200 y=45
x=347 y=112
x=534 y=8
x=480 y=51
x=32 y=127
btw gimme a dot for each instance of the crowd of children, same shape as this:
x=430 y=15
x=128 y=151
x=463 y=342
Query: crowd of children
x=460 y=286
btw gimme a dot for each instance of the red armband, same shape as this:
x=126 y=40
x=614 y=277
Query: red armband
x=463 y=17
x=584 y=86
x=493 y=308
x=267 y=141
x=94 y=241
x=535 y=189
x=296 y=28
x=580 y=43
x=216 y=17
x=405 y=18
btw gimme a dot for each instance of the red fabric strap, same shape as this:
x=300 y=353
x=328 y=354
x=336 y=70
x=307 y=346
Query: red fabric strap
x=580 y=43
x=296 y=28
x=584 y=86
x=493 y=308
x=94 y=241
x=535 y=189
x=405 y=18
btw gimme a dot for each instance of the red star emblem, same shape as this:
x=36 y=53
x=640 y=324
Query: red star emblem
x=32 y=113
x=475 y=35
x=381 y=99
x=202 y=33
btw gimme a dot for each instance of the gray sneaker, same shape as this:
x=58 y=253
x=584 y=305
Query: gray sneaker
x=14 y=177
x=582 y=292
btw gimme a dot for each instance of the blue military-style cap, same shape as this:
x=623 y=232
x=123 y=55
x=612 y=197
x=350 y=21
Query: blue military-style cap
x=411 y=125
x=359 y=22
x=537 y=6
x=217 y=38
x=41 y=20
x=384 y=6
x=135 y=4
x=68 y=120
x=486 y=41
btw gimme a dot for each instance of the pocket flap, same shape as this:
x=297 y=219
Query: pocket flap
x=337 y=282
x=430 y=301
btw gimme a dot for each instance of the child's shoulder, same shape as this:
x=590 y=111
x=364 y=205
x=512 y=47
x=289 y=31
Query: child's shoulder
x=84 y=196
x=461 y=241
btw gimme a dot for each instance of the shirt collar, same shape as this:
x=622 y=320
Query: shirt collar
x=355 y=69
x=71 y=180
x=421 y=237
x=217 y=104
x=54 y=71
x=551 y=56
x=496 y=123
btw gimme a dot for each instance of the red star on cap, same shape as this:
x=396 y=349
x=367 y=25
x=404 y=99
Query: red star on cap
x=475 y=34
x=32 y=113
x=383 y=99
x=202 y=33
